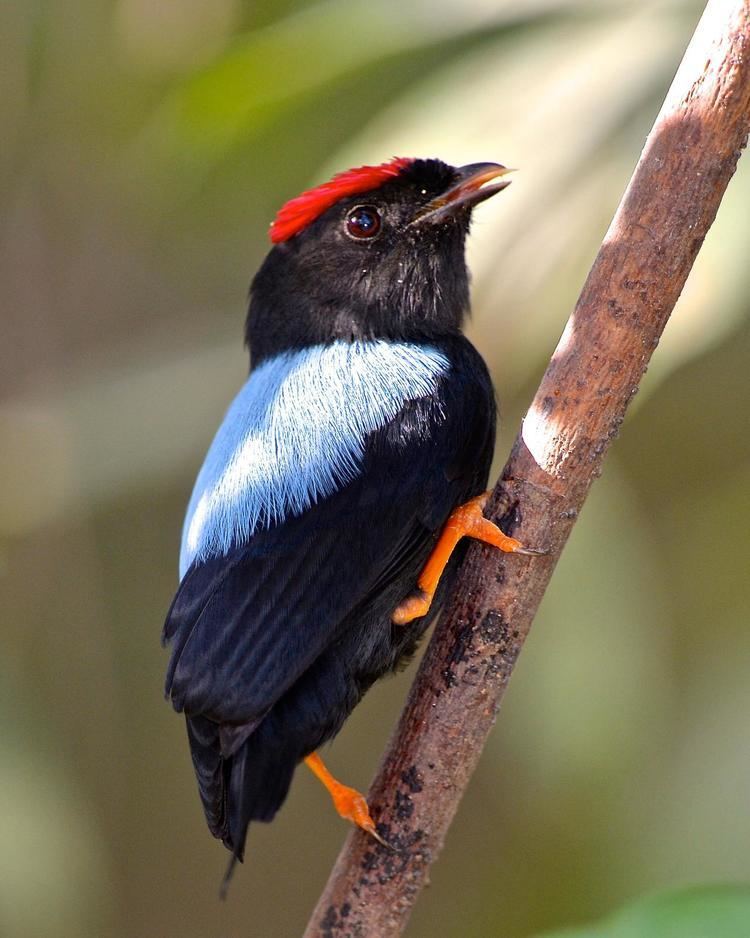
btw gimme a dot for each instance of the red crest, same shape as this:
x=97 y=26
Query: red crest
x=298 y=213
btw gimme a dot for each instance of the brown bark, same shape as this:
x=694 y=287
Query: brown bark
x=638 y=274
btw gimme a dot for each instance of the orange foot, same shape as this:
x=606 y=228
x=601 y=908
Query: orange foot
x=465 y=521
x=348 y=802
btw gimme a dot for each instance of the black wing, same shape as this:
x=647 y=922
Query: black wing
x=246 y=626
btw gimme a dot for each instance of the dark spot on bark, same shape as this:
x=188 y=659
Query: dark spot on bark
x=597 y=449
x=410 y=777
x=493 y=629
x=614 y=427
x=471 y=675
x=369 y=861
x=404 y=807
x=510 y=518
x=548 y=405
x=496 y=632
x=330 y=921
x=345 y=910
x=458 y=652
x=390 y=864
x=615 y=309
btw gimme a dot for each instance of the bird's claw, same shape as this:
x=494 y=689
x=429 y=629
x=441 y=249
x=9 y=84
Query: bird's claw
x=352 y=806
x=531 y=551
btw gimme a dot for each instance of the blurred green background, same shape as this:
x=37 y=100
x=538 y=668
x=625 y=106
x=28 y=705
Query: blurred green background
x=145 y=148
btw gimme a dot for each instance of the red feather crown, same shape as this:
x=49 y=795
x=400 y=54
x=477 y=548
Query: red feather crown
x=298 y=213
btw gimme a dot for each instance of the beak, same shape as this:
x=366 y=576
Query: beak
x=468 y=190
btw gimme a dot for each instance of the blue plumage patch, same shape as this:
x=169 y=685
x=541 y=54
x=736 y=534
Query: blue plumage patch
x=296 y=432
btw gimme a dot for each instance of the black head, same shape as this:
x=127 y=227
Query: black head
x=376 y=253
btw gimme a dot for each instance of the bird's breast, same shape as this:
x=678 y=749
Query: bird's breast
x=296 y=433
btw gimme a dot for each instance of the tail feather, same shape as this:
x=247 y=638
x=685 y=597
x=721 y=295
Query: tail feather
x=244 y=771
x=259 y=781
x=224 y=888
x=211 y=772
x=248 y=785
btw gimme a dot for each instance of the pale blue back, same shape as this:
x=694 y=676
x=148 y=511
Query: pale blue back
x=296 y=433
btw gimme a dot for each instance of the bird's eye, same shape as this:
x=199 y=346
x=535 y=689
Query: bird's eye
x=363 y=222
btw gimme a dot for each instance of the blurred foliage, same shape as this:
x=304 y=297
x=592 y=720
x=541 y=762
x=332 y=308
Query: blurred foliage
x=146 y=147
x=710 y=912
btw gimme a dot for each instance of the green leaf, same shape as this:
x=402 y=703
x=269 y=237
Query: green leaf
x=721 y=911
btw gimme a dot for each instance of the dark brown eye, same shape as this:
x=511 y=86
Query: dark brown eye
x=363 y=222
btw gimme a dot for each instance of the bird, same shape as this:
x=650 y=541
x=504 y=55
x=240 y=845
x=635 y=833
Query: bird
x=331 y=509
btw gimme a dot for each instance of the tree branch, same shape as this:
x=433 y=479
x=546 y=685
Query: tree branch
x=689 y=157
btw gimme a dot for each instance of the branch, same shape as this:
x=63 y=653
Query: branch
x=689 y=157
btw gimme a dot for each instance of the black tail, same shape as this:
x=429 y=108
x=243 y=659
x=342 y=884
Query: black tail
x=244 y=771
x=211 y=772
x=258 y=783
x=240 y=786
x=224 y=888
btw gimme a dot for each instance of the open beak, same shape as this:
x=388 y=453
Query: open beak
x=468 y=190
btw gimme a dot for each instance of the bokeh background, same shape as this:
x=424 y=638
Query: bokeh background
x=145 y=148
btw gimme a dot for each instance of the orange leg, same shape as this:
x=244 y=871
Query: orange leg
x=349 y=803
x=465 y=521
